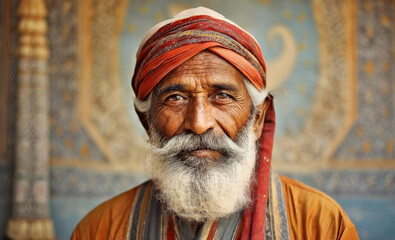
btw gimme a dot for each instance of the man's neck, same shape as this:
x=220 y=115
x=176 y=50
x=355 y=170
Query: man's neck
x=196 y=226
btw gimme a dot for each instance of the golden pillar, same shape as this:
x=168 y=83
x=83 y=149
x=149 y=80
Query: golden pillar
x=30 y=213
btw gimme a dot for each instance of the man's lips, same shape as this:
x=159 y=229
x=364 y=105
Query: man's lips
x=202 y=152
x=206 y=153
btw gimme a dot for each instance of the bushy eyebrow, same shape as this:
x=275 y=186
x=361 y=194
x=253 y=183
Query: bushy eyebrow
x=182 y=87
x=171 y=88
x=228 y=87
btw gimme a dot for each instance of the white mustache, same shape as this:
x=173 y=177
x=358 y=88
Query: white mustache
x=188 y=142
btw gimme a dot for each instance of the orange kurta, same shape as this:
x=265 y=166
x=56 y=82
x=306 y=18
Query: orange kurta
x=311 y=215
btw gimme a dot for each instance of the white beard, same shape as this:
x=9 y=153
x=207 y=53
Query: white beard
x=195 y=188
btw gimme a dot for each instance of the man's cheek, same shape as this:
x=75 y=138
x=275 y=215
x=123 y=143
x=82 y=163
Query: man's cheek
x=231 y=122
x=168 y=124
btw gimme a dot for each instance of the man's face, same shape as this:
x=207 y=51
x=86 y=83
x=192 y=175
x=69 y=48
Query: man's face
x=204 y=94
x=203 y=148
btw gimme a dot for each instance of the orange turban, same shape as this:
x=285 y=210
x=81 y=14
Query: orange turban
x=171 y=43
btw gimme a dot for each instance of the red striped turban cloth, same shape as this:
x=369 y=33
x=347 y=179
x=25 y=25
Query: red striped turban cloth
x=172 y=42
x=168 y=46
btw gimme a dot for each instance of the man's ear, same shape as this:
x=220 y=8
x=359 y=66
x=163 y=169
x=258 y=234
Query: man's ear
x=143 y=120
x=259 y=117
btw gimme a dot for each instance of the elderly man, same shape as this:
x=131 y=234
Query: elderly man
x=200 y=87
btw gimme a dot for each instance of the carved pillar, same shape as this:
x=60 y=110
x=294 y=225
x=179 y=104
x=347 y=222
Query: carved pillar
x=31 y=217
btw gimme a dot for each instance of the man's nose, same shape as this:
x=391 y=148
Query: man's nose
x=198 y=117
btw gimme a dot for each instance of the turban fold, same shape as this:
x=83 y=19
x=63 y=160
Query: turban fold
x=172 y=42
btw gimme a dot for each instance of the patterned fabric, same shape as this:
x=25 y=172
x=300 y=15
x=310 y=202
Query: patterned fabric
x=311 y=214
x=149 y=219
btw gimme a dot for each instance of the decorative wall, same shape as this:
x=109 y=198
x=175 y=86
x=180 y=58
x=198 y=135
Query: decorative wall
x=8 y=96
x=330 y=68
x=30 y=208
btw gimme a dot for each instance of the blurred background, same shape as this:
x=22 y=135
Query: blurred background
x=69 y=137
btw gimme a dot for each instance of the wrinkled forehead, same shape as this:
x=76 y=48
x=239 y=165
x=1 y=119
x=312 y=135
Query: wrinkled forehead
x=205 y=69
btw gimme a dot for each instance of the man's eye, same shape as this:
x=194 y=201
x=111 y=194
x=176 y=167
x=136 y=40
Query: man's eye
x=175 y=97
x=223 y=96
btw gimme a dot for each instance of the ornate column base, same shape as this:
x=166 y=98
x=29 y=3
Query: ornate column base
x=31 y=229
